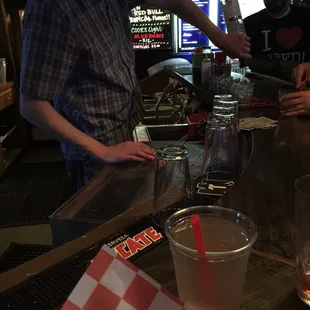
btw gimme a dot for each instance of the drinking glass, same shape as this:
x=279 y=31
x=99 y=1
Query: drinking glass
x=285 y=91
x=215 y=83
x=243 y=91
x=228 y=110
x=172 y=181
x=226 y=107
x=302 y=209
x=228 y=236
x=221 y=155
x=221 y=97
x=225 y=69
x=222 y=84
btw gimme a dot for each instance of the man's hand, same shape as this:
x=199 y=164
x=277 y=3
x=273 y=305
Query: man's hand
x=296 y=103
x=127 y=151
x=301 y=74
x=42 y=114
x=234 y=45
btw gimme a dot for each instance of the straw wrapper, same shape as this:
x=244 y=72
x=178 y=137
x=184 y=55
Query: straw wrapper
x=112 y=283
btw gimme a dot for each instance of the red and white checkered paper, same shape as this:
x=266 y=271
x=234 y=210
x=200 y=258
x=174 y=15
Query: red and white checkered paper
x=112 y=283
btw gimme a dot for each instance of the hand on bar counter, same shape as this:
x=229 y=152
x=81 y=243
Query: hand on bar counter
x=128 y=151
x=297 y=103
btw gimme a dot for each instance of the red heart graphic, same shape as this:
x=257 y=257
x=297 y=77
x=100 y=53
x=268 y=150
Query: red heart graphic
x=289 y=37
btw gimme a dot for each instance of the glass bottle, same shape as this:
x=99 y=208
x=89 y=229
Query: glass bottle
x=234 y=21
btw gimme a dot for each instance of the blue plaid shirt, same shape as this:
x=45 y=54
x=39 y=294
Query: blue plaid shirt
x=78 y=54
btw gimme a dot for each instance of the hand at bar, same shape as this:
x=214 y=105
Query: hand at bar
x=301 y=74
x=297 y=103
x=235 y=45
x=127 y=151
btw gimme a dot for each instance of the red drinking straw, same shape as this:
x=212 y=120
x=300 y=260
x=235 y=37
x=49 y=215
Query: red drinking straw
x=204 y=268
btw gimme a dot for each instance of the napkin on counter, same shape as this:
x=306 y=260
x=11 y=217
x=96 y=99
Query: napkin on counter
x=251 y=123
x=112 y=283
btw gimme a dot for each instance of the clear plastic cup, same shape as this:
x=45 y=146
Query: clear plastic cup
x=228 y=236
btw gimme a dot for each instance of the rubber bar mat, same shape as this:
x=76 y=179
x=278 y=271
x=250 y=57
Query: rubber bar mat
x=31 y=192
x=18 y=254
x=50 y=289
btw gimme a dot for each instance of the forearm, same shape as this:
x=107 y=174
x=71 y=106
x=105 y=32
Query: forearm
x=278 y=68
x=44 y=116
x=187 y=10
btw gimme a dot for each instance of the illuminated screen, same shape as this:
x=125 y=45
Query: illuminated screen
x=190 y=37
x=151 y=28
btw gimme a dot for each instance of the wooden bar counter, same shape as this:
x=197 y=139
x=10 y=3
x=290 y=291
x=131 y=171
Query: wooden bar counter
x=264 y=192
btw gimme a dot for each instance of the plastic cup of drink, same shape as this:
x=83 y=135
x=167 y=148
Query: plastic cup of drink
x=228 y=237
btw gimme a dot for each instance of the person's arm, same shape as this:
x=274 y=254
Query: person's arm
x=282 y=69
x=50 y=56
x=297 y=103
x=234 y=45
x=44 y=116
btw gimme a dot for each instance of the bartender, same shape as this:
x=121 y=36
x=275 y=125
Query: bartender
x=280 y=38
x=78 y=80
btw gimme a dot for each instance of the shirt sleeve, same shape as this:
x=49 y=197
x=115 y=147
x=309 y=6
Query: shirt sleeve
x=49 y=51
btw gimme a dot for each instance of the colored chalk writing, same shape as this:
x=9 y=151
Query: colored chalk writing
x=151 y=28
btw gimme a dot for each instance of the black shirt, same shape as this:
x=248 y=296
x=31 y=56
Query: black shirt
x=287 y=38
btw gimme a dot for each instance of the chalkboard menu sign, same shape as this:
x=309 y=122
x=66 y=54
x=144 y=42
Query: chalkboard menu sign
x=151 y=28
